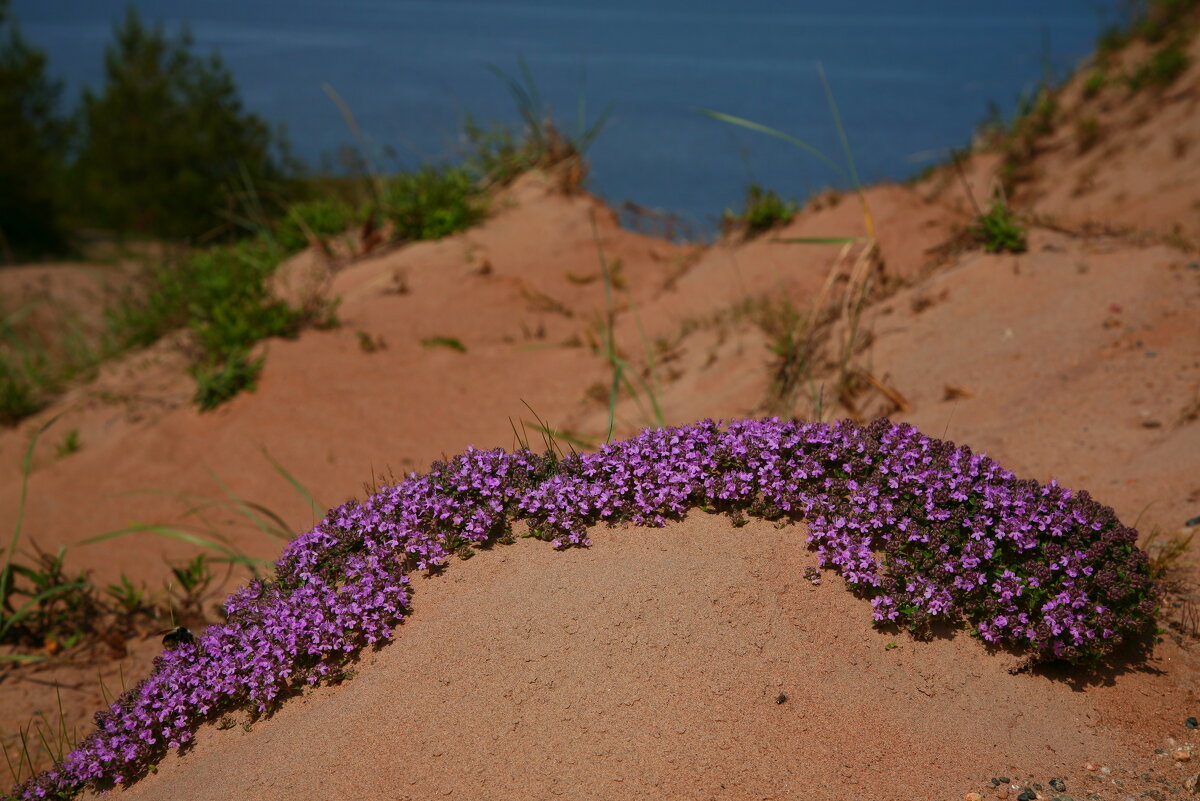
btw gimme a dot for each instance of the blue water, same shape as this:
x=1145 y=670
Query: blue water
x=911 y=79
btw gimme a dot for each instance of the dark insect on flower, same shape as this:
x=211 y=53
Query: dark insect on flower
x=173 y=638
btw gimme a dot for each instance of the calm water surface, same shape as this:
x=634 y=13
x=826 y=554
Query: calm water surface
x=911 y=79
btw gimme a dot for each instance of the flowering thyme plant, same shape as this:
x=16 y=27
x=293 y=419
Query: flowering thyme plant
x=927 y=530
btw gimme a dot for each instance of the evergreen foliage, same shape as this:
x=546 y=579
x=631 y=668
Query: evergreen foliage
x=33 y=139
x=167 y=143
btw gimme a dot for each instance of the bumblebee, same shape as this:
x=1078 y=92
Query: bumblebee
x=173 y=638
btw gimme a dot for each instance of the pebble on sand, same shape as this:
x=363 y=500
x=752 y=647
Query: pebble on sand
x=1181 y=755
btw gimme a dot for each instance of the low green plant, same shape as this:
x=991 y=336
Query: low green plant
x=221 y=295
x=129 y=598
x=219 y=381
x=1094 y=84
x=849 y=173
x=763 y=210
x=499 y=155
x=622 y=373
x=35 y=365
x=999 y=230
x=314 y=222
x=55 y=738
x=1165 y=554
x=192 y=581
x=17 y=397
x=1161 y=69
x=444 y=342
x=42 y=604
x=431 y=203
x=69 y=445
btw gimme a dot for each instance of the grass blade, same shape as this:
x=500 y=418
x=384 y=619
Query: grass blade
x=27 y=607
x=841 y=129
x=26 y=469
x=231 y=555
x=800 y=143
x=317 y=507
x=818 y=240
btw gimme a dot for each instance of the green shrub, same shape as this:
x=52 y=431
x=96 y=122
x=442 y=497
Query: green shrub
x=432 y=202
x=999 y=230
x=222 y=295
x=218 y=381
x=166 y=142
x=1095 y=82
x=320 y=219
x=1161 y=69
x=764 y=210
x=33 y=143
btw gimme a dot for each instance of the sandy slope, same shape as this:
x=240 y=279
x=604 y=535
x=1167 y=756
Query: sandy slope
x=531 y=673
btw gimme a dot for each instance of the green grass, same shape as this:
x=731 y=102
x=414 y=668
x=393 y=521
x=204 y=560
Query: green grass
x=432 y=202
x=57 y=607
x=35 y=365
x=1161 y=69
x=622 y=373
x=315 y=222
x=70 y=444
x=499 y=155
x=848 y=173
x=763 y=210
x=999 y=230
x=444 y=342
x=1094 y=84
x=220 y=294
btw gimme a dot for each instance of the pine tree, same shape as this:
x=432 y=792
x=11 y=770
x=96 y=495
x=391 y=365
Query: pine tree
x=167 y=142
x=33 y=142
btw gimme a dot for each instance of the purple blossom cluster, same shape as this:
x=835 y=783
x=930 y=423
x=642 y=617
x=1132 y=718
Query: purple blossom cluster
x=925 y=529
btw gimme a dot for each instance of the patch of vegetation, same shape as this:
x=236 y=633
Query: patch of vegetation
x=219 y=381
x=1161 y=69
x=499 y=155
x=999 y=230
x=763 y=210
x=35 y=365
x=444 y=342
x=326 y=604
x=432 y=202
x=1149 y=20
x=1094 y=84
x=221 y=295
x=313 y=222
x=70 y=444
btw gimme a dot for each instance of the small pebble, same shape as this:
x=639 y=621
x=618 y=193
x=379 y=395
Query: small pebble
x=972 y=797
x=1027 y=795
x=1191 y=723
x=1058 y=785
x=1151 y=424
x=1091 y=766
x=1181 y=755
